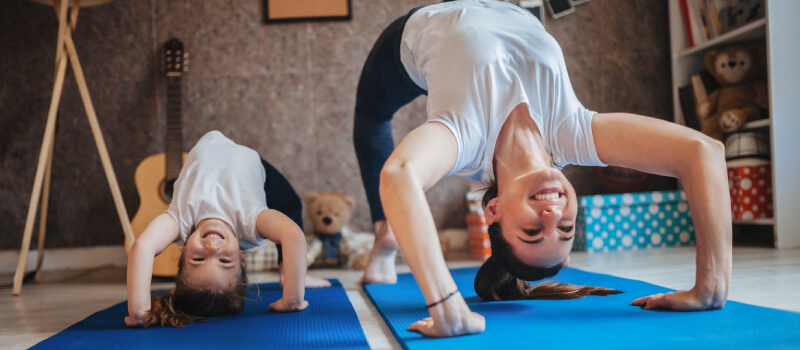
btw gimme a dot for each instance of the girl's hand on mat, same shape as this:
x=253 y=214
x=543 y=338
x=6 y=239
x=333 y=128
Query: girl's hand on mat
x=682 y=300
x=472 y=323
x=284 y=305
x=140 y=321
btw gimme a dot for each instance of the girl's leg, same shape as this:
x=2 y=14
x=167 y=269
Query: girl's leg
x=383 y=88
x=282 y=197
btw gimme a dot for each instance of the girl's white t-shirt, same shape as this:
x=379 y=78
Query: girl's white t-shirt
x=478 y=60
x=223 y=180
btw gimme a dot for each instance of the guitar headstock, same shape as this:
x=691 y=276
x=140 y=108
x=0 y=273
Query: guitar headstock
x=176 y=59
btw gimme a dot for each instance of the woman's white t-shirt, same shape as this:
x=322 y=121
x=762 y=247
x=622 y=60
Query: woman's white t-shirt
x=223 y=180
x=478 y=60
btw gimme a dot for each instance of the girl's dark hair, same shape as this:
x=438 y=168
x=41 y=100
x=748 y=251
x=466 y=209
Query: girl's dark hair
x=190 y=303
x=503 y=275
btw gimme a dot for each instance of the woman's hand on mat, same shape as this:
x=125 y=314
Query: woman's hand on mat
x=140 y=321
x=285 y=305
x=682 y=300
x=468 y=323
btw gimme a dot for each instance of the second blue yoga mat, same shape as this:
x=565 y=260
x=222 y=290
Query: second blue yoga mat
x=330 y=322
x=593 y=322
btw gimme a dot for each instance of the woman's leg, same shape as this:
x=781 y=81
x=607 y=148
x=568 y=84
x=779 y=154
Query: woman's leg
x=383 y=88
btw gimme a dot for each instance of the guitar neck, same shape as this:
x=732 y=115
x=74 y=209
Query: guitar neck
x=174 y=127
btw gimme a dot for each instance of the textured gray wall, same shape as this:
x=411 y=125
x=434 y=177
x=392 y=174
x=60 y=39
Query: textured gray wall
x=286 y=90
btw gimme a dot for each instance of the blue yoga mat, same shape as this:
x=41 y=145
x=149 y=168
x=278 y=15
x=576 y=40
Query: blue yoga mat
x=329 y=322
x=593 y=322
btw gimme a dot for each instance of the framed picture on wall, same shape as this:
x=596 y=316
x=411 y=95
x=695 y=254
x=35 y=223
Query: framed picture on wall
x=306 y=10
x=560 y=8
x=536 y=7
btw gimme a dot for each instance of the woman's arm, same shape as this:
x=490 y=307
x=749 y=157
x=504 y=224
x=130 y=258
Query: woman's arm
x=659 y=147
x=279 y=228
x=158 y=234
x=424 y=157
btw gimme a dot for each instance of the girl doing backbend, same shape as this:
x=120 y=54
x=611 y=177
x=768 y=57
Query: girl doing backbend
x=226 y=200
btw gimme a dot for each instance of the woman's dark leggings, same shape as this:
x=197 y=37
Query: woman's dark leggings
x=383 y=88
x=282 y=197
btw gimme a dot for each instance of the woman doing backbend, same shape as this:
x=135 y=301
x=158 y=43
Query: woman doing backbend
x=501 y=109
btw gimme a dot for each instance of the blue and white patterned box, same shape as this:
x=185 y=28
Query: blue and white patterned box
x=630 y=221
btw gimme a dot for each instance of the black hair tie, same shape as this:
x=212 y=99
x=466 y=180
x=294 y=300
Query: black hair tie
x=443 y=299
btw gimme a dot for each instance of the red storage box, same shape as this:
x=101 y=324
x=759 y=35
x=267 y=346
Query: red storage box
x=750 y=185
x=477 y=230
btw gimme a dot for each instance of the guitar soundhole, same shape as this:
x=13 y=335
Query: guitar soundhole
x=167 y=190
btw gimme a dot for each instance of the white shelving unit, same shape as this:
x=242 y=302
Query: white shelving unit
x=780 y=32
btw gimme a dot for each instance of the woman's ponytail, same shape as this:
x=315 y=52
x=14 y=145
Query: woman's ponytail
x=493 y=282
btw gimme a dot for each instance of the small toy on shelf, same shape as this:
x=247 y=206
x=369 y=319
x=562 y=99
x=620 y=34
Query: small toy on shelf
x=739 y=13
x=740 y=97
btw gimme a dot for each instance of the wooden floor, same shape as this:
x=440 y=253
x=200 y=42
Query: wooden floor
x=761 y=276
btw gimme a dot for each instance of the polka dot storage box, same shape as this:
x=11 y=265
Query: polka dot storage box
x=629 y=221
x=750 y=184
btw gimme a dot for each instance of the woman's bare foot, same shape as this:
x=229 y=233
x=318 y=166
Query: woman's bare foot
x=380 y=267
x=311 y=281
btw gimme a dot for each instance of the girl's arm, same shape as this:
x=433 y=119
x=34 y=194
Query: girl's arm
x=424 y=157
x=277 y=227
x=162 y=231
x=664 y=148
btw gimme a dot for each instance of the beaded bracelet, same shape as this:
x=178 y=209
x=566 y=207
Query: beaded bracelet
x=443 y=299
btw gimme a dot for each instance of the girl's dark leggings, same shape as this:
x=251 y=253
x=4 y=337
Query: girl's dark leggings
x=282 y=197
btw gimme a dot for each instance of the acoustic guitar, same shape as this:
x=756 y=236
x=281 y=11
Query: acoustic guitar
x=156 y=174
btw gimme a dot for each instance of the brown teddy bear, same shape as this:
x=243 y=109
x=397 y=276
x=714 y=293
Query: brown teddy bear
x=330 y=244
x=740 y=98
